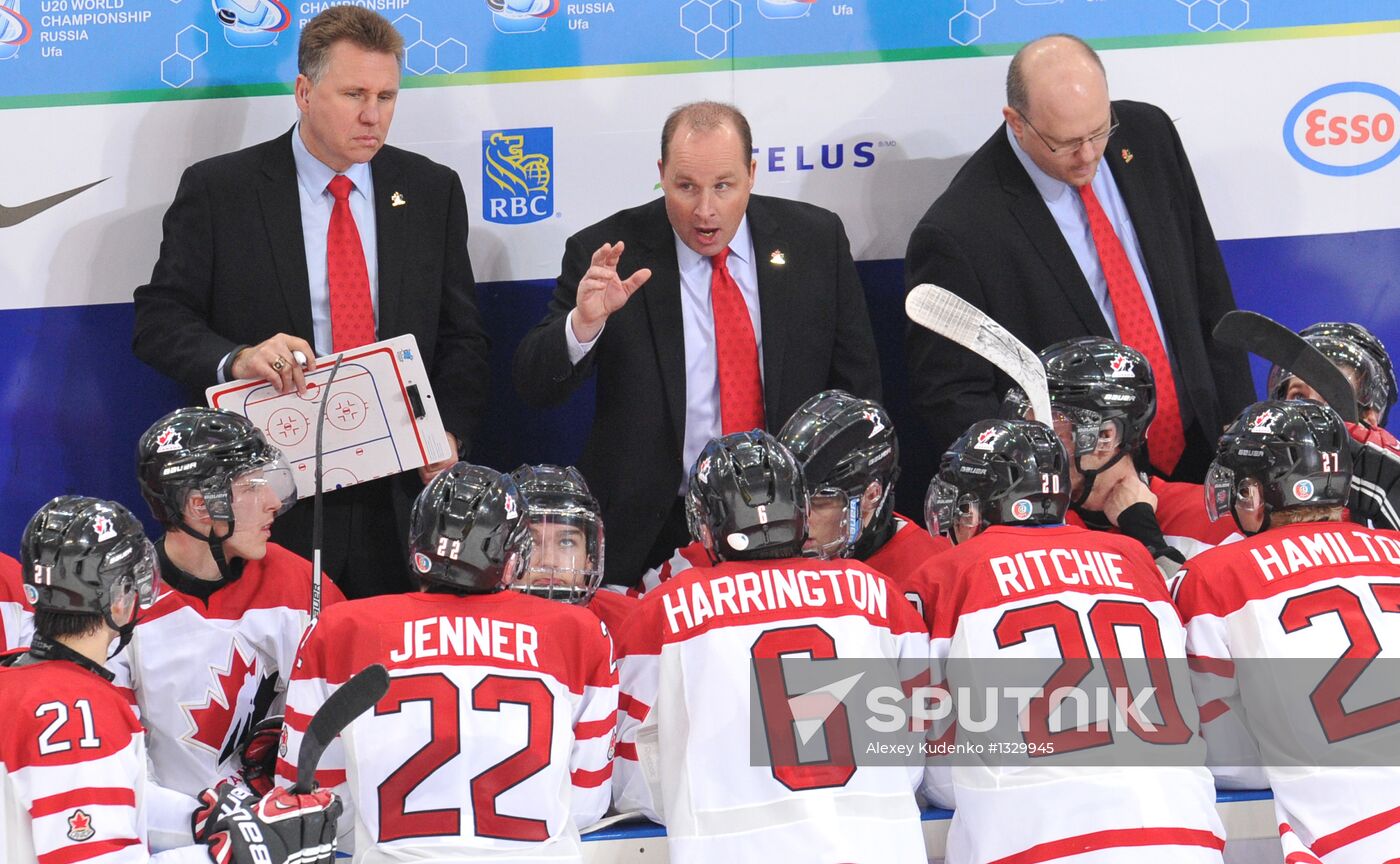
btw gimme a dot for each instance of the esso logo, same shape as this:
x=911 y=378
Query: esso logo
x=1345 y=129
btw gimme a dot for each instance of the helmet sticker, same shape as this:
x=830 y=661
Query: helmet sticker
x=986 y=439
x=1121 y=366
x=1303 y=490
x=31 y=594
x=702 y=471
x=1022 y=509
x=511 y=510
x=104 y=527
x=1264 y=423
x=738 y=540
x=168 y=439
x=876 y=426
x=422 y=562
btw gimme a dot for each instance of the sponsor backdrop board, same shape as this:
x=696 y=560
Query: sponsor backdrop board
x=550 y=112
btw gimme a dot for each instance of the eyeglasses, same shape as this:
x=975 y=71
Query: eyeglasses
x=1071 y=146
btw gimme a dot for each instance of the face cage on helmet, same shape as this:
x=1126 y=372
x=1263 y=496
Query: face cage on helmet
x=573 y=581
x=851 y=526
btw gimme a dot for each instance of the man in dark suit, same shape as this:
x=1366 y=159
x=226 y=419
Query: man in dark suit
x=751 y=304
x=1032 y=232
x=317 y=241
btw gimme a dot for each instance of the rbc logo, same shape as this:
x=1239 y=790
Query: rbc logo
x=1344 y=129
x=517 y=177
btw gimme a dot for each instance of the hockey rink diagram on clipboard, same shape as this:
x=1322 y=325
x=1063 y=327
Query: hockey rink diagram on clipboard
x=381 y=418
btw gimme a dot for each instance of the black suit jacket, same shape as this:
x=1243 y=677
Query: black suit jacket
x=991 y=239
x=816 y=335
x=232 y=271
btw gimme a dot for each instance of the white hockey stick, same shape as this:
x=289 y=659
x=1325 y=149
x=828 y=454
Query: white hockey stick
x=948 y=315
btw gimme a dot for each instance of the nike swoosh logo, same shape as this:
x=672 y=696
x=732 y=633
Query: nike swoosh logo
x=14 y=215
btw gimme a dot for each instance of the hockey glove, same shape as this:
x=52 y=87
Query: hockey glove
x=259 y=754
x=279 y=828
x=1375 y=484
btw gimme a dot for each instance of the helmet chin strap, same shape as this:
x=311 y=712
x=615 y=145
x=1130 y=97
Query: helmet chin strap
x=215 y=543
x=1090 y=474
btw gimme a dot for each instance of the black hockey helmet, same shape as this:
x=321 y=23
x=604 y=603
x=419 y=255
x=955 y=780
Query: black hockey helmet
x=1103 y=396
x=1298 y=453
x=1000 y=472
x=747 y=499
x=468 y=530
x=566 y=526
x=1351 y=346
x=844 y=444
x=82 y=556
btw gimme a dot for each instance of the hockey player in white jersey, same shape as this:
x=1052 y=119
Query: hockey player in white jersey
x=566 y=533
x=494 y=740
x=1064 y=607
x=1375 y=453
x=73 y=785
x=687 y=660
x=212 y=657
x=1282 y=628
x=1104 y=397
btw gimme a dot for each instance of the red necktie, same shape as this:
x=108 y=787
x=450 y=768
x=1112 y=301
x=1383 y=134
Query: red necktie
x=736 y=353
x=1135 y=329
x=352 y=311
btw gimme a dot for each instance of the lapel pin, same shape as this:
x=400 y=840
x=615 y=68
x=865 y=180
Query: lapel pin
x=1127 y=155
x=777 y=259
x=396 y=200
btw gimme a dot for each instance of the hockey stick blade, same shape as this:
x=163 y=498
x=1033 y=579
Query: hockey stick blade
x=1259 y=334
x=354 y=698
x=950 y=316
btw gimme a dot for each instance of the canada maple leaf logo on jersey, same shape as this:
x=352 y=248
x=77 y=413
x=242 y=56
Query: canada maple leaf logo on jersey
x=1121 y=366
x=215 y=724
x=80 y=826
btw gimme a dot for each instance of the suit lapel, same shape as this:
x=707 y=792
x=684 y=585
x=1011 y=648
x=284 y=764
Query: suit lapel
x=661 y=297
x=1026 y=205
x=774 y=296
x=281 y=211
x=391 y=229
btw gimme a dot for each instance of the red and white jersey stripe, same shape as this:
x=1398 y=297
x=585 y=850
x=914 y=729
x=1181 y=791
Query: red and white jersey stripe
x=494 y=740
x=1280 y=628
x=684 y=714
x=16 y=615
x=73 y=784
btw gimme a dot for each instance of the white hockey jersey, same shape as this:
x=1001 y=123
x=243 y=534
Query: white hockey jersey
x=73 y=784
x=16 y=615
x=1046 y=597
x=494 y=741
x=1281 y=629
x=684 y=715
x=200 y=675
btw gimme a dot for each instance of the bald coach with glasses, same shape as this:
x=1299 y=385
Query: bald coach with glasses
x=1034 y=231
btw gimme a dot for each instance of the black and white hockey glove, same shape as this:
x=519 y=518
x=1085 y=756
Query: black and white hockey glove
x=259 y=754
x=1375 y=478
x=279 y=828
